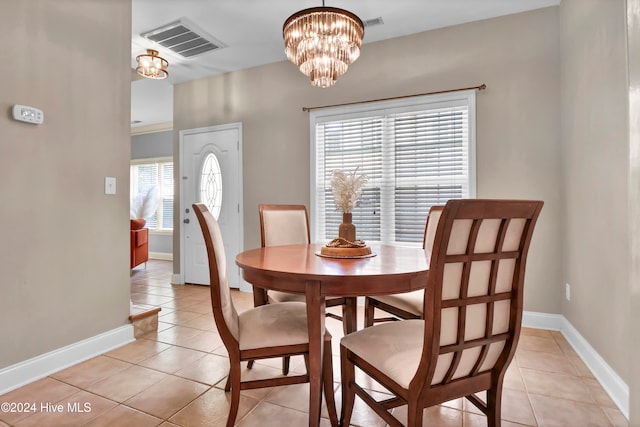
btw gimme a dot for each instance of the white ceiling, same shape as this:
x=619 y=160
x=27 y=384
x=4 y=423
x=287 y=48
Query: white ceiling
x=251 y=31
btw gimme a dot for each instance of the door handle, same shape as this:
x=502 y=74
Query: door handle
x=186 y=220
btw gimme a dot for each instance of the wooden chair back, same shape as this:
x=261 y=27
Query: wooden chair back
x=473 y=302
x=284 y=225
x=224 y=312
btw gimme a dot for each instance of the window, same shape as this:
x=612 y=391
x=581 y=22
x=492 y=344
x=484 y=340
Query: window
x=158 y=173
x=211 y=185
x=416 y=152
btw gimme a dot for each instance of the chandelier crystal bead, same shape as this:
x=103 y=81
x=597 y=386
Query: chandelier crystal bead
x=152 y=66
x=323 y=42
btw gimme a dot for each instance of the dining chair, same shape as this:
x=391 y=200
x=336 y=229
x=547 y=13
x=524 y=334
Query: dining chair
x=268 y=331
x=407 y=305
x=289 y=225
x=472 y=316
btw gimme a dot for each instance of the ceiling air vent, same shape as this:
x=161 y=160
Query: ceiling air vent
x=373 y=21
x=183 y=38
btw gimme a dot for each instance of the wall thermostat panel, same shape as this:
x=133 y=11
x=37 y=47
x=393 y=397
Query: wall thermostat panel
x=27 y=114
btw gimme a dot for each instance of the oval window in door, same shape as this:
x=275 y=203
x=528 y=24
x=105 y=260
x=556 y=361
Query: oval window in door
x=211 y=184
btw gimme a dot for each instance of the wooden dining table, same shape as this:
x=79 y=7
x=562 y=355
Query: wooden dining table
x=299 y=269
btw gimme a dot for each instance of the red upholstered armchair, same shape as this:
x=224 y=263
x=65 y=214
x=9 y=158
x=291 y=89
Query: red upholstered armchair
x=139 y=243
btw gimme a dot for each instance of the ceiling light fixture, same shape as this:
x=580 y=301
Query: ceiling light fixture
x=323 y=42
x=152 y=66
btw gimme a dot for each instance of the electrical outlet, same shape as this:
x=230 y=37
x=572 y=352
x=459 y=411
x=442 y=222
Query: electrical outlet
x=567 y=291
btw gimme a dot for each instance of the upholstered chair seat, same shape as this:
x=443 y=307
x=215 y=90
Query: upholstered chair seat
x=273 y=325
x=394 y=349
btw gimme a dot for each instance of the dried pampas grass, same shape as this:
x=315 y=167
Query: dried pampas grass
x=347 y=188
x=144 y=204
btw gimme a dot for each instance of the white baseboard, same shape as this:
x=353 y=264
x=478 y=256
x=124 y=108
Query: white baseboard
x=161 y=255
x=33 y=369
x=617 y=389
x=177 y=279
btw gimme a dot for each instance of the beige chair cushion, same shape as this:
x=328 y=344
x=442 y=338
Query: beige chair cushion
x=393 y=348
x=273 y=325
x=413 y=302
x=285 y=227
x=277 y=296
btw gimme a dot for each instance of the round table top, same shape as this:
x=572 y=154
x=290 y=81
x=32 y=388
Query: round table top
x=286 y=268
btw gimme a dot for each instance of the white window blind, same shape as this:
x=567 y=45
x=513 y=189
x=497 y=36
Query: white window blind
x=159 y=173
x=416 y=152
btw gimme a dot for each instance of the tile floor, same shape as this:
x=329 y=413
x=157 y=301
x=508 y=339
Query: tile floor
x=175 y=376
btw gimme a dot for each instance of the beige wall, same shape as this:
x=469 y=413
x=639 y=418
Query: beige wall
x=517 y=119
x=595 y=163
x=64 y=252
x=633 y=54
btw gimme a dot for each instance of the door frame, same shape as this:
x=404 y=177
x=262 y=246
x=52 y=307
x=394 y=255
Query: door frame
x=179 y=278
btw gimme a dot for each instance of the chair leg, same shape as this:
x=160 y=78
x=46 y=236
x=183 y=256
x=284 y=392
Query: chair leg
x=285 y=365
x=234 y=375
x=368 y=313
x=306 y=363
x=414 y=415
x=348 y=372
x=349 y=315
x=250 y=364
x=494 y=405
x=227 y=385
x=327 y=384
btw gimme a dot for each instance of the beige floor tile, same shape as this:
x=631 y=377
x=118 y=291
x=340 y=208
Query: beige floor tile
x=41 y=391
x=600 y=396
x=74 y=410
x=551 y=362
x=211 y=409
x=126 y=384
x=173 y=359
x=435 y=416
x=517 y=408
x=513 y=378
x=536 y=332
x=178 y=317
x=167 y=397
x=556 y=385
x=580 y=366
x=294 y=397
x=536 y=343
x=87 y=373
x=553 y=412
x=123 y=416
x=616 y=417
x=138 y=350
x=175 y=333
x=363 y=415
x=206 y=341
x=210 y=369
x=204 y=322
x=268 y=415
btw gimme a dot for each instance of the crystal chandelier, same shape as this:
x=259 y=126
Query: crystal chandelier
x=152 y=66
x=323 y=42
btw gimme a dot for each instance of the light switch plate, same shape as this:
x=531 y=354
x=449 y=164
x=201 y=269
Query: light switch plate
x=109 y=185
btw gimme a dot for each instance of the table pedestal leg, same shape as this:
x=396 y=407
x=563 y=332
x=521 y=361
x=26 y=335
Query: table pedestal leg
x=315 y=323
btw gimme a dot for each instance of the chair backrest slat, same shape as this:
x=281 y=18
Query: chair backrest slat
x=473 y=301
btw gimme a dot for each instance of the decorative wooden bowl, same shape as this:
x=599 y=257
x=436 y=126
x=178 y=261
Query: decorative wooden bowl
x=332 y=252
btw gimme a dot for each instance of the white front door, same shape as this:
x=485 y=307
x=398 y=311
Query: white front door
x=210 y=173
